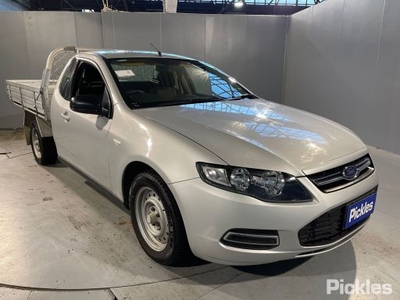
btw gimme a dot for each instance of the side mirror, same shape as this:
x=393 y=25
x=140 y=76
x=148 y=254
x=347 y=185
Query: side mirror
x=86 y=104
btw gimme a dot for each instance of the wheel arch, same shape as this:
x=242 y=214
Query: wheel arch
x=130 y=172
x=43 y=148
x=43 y=126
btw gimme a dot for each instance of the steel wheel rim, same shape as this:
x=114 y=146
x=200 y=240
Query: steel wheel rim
x=152 y=219
x=36 y=144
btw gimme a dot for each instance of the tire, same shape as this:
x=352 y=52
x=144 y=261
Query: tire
x=157 y=221
x=44 y=149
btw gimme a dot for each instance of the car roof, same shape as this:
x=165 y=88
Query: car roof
x=115 y=54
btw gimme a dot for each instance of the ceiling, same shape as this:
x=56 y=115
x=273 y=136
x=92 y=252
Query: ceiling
x=261 y=7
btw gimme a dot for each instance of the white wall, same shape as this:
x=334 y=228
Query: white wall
x=250 y=48
x=343 y=62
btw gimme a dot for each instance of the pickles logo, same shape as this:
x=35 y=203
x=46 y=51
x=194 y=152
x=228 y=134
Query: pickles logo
x=357 y=288
x=358 y=212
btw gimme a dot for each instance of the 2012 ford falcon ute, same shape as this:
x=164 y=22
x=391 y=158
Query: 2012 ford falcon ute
x=206 y=167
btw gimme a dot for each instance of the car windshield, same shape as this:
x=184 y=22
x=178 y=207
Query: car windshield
x=154 y=82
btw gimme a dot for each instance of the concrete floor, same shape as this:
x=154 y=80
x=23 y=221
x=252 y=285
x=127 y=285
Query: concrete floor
x=62 y=239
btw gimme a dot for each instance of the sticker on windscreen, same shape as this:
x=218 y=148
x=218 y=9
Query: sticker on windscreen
x=124 y=73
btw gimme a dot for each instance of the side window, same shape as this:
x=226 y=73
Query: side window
x=66 y=80
x=88 y=81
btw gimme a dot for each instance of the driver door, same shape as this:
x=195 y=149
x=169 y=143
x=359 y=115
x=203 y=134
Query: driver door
x=83 y=139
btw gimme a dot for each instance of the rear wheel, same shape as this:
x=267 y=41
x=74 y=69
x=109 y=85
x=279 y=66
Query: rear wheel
x=157 y=221
x=43 y=148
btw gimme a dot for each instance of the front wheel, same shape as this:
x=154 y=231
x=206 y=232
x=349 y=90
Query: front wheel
x=43 y=148
x=157 y=221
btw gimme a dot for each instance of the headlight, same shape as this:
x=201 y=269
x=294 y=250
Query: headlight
x=265 y=185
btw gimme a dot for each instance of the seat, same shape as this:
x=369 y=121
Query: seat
x=92 y=82
x=166 y=90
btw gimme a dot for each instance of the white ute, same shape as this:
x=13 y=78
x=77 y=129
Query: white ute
x=205 y=166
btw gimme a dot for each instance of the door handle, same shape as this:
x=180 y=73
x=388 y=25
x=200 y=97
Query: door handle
x=65 y=116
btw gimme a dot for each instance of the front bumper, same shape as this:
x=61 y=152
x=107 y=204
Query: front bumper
x=209 y=212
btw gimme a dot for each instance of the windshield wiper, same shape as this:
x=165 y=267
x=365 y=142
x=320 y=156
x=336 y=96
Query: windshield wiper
x=188 y=101
x=169 y=103
x=201 y=100
x=243 y=96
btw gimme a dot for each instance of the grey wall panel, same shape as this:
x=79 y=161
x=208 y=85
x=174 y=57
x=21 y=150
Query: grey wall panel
x=13 y=37
x=226 y=44
x=184 y=34
x=107 y=26
x=46 y=31
x=356 y=63
x=299 y=32
x=13 y=62
x=88 y=30
x=264 y=56
x=326 y=54
x=343 y=63
x=386 y=93
x=300 y=54
x=13 y=118
x=136 y=31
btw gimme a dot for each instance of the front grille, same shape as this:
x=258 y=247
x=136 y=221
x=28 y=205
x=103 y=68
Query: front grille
x=329 y=227
x=333 y=180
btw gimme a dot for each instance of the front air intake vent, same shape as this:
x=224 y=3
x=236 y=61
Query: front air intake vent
x=251 y=239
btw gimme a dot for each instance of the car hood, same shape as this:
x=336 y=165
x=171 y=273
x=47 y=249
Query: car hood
x=259 y=134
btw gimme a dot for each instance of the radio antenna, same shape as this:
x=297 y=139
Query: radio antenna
x=159 y=52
